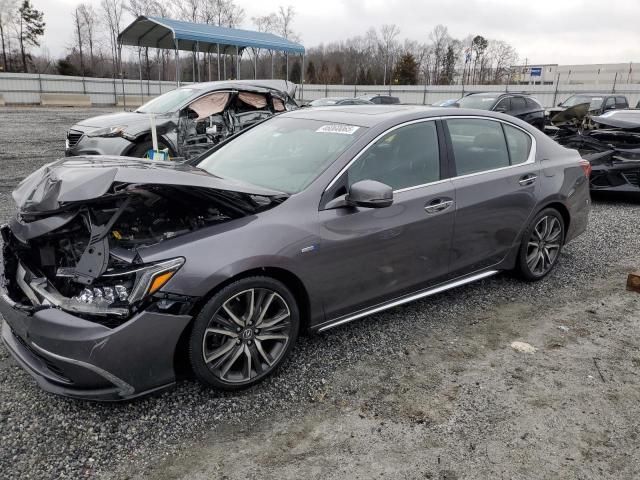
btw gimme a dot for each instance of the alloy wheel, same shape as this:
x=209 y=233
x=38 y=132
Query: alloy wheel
x=247 y=335
x=544 y=244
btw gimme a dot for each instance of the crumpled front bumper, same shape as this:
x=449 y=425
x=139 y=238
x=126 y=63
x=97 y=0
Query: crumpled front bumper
x=98 y=146
x=74 y=357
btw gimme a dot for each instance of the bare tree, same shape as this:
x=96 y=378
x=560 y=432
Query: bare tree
x=440 y=38
x=8 y=13
x=388 y=44
x=78 y=26
x=113 y=11
x=88 y=16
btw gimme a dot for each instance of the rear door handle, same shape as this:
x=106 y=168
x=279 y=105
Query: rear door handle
x=528 y=180
x=438 y=205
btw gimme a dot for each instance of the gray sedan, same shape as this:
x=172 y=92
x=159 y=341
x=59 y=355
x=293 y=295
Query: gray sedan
x=118 y=269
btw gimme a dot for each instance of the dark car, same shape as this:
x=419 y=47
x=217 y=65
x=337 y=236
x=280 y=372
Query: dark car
x=598 y=103
x=189 y=120
x=380 y=99
x=116 y=269
x=333 y=101
x=519 y=105
x=451 y=102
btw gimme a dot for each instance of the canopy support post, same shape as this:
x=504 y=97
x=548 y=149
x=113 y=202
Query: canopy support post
x=177 y=63
x=198 y=59
x=140 y=74
x=255 y=63
x=286 y=55
x=218 y=59
x=193 y=65
x=271 y=53
x=237 y=63
x=302 y=80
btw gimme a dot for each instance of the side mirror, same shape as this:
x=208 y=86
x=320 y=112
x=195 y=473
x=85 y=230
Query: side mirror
x=370 y=194
x=500 y=110
x=559 y=104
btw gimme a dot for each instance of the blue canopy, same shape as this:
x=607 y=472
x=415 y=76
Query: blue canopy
x=171 y=34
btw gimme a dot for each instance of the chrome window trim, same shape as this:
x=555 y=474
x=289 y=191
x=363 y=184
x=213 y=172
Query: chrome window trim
x=368 y=145
x=530 y=160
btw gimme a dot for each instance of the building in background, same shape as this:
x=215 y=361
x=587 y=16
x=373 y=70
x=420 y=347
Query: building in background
x=548 y=74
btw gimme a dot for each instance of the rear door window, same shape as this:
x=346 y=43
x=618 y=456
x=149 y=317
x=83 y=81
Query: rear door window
x=478 y=145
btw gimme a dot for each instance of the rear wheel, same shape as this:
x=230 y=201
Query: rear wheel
x=541 y=245
x=244 y=333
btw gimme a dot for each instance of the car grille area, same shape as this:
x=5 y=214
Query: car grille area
x=73 y=136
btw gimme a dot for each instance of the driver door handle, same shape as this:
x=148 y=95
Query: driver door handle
x=438 y=205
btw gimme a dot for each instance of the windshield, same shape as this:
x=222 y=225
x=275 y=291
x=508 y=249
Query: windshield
x=169 y=102
x=477 y=101
x=283 y=154
x=595 y=102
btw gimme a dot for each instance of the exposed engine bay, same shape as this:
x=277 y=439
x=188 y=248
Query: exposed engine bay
x=84 y=256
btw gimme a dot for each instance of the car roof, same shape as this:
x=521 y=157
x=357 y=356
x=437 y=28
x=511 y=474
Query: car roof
x=372 y=115
x=374 y=95
x=279 y=85
x=499 y=94
x=332 y=98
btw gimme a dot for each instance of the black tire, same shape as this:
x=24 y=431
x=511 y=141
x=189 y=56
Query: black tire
x=140 y=149
x=541 y=246
x=227 y=333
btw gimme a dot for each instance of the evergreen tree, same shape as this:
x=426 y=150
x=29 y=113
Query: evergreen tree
x=406 y=70
x=31 y=28
x=311 y=72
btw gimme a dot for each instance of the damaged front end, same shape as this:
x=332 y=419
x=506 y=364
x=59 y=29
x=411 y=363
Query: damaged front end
x=611 y=144
x=79 y=301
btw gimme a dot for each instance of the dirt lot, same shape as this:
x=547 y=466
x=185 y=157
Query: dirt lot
x=429 y=390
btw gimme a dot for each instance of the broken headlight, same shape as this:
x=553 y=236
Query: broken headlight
x=133 y=284
x=113 y=292
x=107 y=132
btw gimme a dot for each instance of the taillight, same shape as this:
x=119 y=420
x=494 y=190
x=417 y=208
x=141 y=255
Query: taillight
x=586 y=167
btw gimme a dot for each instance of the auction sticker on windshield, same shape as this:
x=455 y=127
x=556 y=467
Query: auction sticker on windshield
x=338 y=128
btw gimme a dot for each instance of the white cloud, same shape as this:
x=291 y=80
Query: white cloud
x=545 y=31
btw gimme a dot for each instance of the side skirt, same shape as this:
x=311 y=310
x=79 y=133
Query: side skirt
x=404 y=299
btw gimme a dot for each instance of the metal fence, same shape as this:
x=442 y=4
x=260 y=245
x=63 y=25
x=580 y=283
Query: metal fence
x=548 y=95
x=21 y=88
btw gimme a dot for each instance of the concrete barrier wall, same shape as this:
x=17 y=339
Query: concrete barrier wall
x=25 y=89
x=65 y=100
x=21 y=88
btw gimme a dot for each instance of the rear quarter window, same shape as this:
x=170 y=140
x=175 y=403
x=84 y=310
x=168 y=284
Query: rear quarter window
x=519 y=144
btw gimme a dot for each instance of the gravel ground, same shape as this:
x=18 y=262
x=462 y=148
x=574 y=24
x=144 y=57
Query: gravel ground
x=428 y=390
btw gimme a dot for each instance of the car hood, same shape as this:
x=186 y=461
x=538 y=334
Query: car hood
x=117 y=119
x=624 y=119
x=87 y=178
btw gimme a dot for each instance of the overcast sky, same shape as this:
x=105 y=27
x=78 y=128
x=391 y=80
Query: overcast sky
x=542 y=31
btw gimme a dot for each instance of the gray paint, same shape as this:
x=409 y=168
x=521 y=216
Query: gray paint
x=348 y=259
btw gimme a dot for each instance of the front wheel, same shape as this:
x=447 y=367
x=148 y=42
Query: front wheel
x=244 y=333
x=541 y=245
